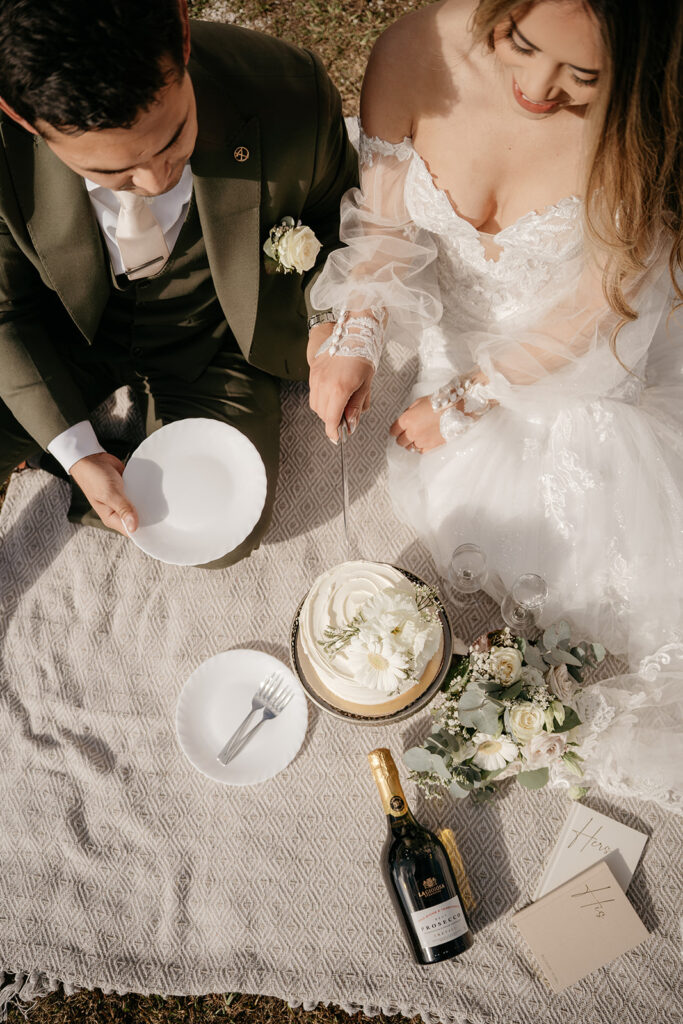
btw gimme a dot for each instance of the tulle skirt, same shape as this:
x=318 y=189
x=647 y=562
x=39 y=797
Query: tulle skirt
x=590 y=496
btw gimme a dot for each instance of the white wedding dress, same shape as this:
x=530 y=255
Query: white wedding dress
x=576 y=472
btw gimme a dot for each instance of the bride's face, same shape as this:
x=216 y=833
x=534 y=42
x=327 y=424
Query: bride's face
x=551 y=57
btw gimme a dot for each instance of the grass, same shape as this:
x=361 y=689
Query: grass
x=230 y=1008
x=342 y=33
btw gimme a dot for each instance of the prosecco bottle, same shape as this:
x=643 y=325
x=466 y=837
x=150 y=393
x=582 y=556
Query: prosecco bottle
x=418 y=874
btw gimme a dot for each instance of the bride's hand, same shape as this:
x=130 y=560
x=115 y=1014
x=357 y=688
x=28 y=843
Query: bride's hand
x=339 y=384
x=418 y=427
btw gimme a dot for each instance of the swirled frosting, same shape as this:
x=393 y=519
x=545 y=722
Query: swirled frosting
x=333 y=601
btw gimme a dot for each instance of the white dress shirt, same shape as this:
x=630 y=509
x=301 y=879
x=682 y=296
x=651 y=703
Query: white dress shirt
x=170 y=209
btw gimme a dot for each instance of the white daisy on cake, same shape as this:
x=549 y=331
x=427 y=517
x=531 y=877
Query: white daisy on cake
x=377 y=663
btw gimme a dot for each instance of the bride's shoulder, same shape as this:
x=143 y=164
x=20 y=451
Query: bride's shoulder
x=407 y=66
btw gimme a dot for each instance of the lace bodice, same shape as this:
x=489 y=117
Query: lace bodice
x=478 y=288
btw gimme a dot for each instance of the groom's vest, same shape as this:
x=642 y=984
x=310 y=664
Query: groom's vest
x=155 y=322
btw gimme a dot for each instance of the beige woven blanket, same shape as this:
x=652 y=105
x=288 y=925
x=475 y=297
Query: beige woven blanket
x=124 y=868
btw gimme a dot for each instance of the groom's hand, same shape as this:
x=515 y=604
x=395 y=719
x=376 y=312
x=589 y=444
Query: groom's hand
x=339 y=384
x=100 y=478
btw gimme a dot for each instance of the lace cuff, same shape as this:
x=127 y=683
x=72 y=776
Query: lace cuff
x=361 y=337
x=476 y=400
x=370 y=146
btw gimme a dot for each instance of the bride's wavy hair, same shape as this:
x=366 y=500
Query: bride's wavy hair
x=634 y=180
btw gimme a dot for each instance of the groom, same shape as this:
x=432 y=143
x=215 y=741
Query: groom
x=229 y=131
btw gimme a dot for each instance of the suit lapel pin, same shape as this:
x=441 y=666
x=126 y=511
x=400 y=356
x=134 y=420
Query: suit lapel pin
x=241 y=154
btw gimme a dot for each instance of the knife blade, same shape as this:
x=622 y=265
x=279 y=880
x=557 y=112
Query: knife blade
x=343 y=434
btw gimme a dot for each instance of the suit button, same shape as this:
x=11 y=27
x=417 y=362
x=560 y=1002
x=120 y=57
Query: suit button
x=136 y=350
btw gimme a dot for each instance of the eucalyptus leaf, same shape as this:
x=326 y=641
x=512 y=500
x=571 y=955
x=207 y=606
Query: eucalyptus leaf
x=458 y=791
x=556 y=633
x=441 y=769
x=533 y=780
x=533 y=657
x=482 y=713
x=510 y=692
x=559 y=657
x=419 y=760
x=599 y=652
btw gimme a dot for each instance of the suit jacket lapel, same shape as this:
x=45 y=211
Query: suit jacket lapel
x=62 y=227
x=226 y=166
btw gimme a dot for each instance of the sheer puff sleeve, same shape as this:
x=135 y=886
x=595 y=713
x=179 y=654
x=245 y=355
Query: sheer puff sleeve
x=388 y=263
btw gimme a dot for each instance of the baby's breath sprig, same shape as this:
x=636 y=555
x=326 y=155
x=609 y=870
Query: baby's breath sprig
x=427 y=601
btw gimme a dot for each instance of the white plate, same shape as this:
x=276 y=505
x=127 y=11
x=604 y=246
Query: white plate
x=199 y=487
x=216 y=698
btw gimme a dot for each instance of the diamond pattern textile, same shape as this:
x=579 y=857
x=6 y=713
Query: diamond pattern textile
x=124 y=868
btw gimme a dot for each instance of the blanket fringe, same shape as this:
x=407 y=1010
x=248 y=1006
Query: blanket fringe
x=16 y=988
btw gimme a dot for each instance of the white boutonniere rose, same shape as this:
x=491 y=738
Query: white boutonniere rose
x=291 y=246
x=505 y=664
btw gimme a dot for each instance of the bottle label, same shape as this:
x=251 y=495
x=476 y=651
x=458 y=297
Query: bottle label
x=434 y=926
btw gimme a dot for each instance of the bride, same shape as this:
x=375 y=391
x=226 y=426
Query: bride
x=520 y=222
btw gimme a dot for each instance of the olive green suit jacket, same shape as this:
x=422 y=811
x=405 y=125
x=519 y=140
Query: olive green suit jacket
x=254 y=94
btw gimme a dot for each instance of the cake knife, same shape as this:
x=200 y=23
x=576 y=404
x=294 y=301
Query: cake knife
x=343 y=434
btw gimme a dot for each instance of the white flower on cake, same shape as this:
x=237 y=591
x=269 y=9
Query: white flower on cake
x=526 y=720
x=390 y=639
x=506 y=664
x=493 y=752
x=377 y=663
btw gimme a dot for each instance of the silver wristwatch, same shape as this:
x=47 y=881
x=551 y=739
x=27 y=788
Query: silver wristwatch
x=321 y=318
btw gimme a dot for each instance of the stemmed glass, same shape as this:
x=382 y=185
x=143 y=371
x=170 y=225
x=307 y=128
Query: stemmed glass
x=467 y=570
x=524 y=601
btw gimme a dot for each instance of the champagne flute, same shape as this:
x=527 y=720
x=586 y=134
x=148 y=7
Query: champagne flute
x=467 y=571
x=522 y=604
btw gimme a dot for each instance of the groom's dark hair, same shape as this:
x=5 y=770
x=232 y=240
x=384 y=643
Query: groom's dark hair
x=85 y=65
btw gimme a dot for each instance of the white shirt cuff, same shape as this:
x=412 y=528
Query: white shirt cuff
x=75 y=443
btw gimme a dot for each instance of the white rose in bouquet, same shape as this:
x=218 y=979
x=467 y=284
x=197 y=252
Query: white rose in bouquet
x=526 y=720
x=561 y=683
x=298 y=249
x=505 y=664
x=544 y=748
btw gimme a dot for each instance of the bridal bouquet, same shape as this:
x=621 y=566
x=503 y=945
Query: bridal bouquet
x=506 y=712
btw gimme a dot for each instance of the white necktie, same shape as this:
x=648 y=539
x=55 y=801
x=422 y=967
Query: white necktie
x=139 y=237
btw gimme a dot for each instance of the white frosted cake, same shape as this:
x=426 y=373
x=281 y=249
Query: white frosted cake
x=369 y=641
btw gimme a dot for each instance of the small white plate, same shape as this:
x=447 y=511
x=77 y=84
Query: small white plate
x=217 y=697
x=199 y=487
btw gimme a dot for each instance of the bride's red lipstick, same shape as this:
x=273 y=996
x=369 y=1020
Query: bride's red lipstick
x=533 y=108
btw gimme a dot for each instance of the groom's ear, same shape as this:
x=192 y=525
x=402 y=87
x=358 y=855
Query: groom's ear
x=185 y=18
x=16 y=117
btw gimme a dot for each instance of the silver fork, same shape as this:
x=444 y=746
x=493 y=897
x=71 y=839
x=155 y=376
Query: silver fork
x=271 y=697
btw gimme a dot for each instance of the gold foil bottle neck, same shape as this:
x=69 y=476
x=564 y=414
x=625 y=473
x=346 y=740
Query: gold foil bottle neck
x=386 y=777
